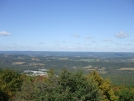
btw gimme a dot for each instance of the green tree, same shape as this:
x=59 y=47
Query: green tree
x=32 y=89
x=10 y=82
x=104 y=86
x=3 y=96
x=75 y=87
x=68 y=86
x=126 y=94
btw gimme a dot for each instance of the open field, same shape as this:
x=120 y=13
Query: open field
x=35 y=59
x=109 y=65
x=126 y=69
x=62 y=58
x=87 y=67
x=86 y=60
x=18 y=63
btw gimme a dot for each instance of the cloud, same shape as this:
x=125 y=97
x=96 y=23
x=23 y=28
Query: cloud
x=77 y=43
x=15 y=44
x=4 y=33
x=41 y=43
x=108 y=40
x=56 y=42
x=87 y=37
x=108 y=47
x=128 y=44
x=72 y=47
x=64 y=41
x=75 y=35
x=62 y=46
x=87 y=43
x=117 y=43
x=121 y=35
x=94 y=41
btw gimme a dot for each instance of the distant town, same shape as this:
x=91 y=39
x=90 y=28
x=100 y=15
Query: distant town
x=40 y=72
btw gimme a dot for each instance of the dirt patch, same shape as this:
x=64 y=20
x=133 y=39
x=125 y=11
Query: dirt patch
x=18 y=63
x=35 y=59
x=91 y=69
x=86 y=67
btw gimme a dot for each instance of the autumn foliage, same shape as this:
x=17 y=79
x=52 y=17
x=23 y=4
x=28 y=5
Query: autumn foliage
x=67 y=86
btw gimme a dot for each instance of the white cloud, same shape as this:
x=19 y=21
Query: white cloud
x=62 y=46
x=121 y=35
x=87 y=37
x=72 y=47
x=75 y=35
x=4 y=33
x=108 y=40
x=108 y=47
x=87 y=43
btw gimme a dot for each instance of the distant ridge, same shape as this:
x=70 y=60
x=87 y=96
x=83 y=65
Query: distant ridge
x=69 y=53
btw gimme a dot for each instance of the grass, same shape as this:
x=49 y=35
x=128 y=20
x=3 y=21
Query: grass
x=126 y=69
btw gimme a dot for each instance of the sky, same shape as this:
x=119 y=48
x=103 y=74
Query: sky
x=67 y=25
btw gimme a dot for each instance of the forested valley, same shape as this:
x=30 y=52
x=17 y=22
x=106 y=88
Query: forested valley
x=69 y=76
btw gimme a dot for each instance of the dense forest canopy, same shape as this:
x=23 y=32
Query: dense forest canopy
x=68 y=86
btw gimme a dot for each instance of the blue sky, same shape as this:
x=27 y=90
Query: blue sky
x=67 y=25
